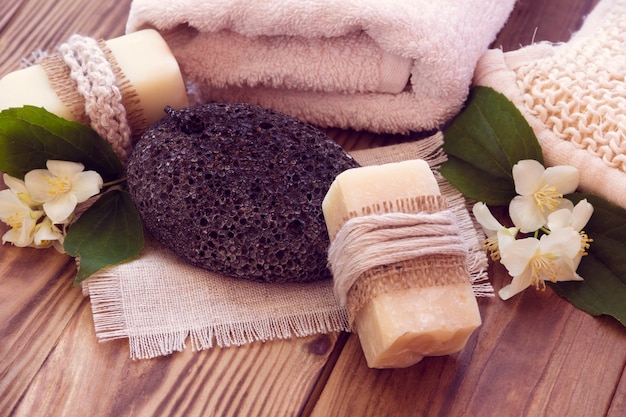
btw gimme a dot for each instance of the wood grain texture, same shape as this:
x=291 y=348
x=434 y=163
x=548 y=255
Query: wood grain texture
x=33 y=25
x=548 y=20
x=37 y=302
x=84 y=378
x=618 y=405
x=534 y=355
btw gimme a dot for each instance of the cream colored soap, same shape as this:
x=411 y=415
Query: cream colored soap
x=151 y=68
x=377 y=188
x=31 y=86
x=143 y=57
x=397 y=329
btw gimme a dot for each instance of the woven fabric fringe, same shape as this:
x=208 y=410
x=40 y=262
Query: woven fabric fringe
x=107 y=306
x=162 y=304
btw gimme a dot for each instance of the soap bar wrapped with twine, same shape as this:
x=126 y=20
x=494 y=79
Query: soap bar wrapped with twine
x=398 y=261
x=88 y=80
x=118 y=87
x=384 y=252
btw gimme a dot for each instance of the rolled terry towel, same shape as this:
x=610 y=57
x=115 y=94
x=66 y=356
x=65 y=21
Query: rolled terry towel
x=385 y=66
x=574 y=96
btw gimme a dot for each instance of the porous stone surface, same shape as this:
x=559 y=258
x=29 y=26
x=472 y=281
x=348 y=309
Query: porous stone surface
x=237 y=189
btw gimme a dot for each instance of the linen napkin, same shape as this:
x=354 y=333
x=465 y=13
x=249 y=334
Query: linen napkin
x=384 y=66
x=573 y=95
x=160 y=303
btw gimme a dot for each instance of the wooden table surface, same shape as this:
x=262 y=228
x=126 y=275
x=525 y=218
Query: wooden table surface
x=534 y=355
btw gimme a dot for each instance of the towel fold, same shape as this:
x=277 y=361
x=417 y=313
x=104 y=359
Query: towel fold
x=384 y=66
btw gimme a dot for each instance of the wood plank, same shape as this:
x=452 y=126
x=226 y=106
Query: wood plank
x=37 y=301
x=352 y=140
x=82 y=377
x=618 y=406
x=43 y=25
x=8 y=11
x=535 y=355
x=536 y=20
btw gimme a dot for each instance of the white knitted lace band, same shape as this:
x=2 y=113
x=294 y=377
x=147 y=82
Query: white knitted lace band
x=90 y=83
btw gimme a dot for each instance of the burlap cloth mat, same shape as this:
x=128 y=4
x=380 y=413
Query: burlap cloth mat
x=161 y=304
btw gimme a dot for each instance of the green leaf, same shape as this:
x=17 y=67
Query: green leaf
x=30 y=136
x=465 y=176
x=603 y=290
x=108 y=233
x=483 y=143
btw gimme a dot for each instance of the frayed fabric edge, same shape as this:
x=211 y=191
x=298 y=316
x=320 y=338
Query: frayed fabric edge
x=149 y=346
x=477 y=262
x=107 y=306
x=110 y=324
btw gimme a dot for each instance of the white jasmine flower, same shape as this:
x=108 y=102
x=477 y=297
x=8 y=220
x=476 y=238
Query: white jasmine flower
x=540 y=192
x=498 y=236
x=61 y=187
x=48 y=234
x=20 y=217
x=575 y=219
x=16 y=185
x=19 y=188
x=532 y=261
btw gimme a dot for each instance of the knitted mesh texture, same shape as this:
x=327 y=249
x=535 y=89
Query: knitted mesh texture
x=579 y=91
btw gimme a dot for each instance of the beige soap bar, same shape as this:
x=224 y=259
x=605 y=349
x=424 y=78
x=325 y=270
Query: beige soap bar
x=144 y=58
x=376 y=189
x=398 y=328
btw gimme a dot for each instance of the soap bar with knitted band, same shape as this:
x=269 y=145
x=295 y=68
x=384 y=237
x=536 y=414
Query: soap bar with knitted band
x=416 y=307
x=144 y=59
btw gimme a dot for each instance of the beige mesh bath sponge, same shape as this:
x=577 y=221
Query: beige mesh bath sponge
x=573 y=94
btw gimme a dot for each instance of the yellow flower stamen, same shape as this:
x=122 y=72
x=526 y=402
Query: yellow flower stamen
x=585 y=241
x=547 y=198
x=542 y=268
x=14 y=221
x=491 y=246
x=59 y=185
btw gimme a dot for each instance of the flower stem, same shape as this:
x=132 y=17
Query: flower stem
x=543 y=230
x=114 y=182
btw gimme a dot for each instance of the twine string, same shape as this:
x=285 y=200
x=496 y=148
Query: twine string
x=367 y=242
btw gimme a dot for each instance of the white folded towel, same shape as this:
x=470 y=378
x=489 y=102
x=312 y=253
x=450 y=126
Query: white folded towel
x=386 y=66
